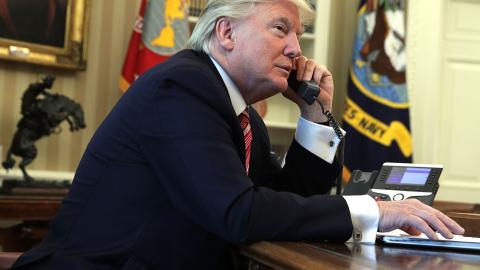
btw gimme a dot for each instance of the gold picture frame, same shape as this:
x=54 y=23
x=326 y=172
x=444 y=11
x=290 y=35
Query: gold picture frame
x=62 y=42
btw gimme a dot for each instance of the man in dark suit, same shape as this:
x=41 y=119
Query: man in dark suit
x=172 y=179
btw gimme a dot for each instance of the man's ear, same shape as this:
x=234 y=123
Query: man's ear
x=224 y=33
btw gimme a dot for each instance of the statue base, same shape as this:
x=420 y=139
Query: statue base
x=35 y=187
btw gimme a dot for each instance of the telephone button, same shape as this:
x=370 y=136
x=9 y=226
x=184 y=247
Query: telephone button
x=398 y=197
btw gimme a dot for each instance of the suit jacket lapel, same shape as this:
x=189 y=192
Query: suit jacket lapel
x=232 y=118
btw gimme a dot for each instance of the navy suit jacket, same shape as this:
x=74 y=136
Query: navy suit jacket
x=162 y=184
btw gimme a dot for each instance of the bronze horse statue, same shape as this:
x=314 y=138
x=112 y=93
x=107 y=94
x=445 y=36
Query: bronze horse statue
x=41 y=117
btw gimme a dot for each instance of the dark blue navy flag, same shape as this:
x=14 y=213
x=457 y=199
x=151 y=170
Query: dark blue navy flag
x=376 y=115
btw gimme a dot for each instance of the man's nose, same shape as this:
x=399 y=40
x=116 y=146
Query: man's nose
x=292 y=49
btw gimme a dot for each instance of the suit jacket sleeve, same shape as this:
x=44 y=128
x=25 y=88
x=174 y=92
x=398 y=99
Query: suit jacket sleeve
x=188 y=134
x=303 y=173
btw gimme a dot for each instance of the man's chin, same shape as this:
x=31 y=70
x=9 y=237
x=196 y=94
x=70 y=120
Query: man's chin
x=272 y=88
x=275 y=91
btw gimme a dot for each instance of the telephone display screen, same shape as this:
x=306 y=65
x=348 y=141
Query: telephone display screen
x=408 y=176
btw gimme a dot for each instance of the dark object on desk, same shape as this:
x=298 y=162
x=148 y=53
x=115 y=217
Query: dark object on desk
x=401 y=181
x=360 y=182
x=42 y=114
x=458 y=243
x=37 y=187
x=397 y=181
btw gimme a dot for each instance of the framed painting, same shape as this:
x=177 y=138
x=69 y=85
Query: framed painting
x=45 y=32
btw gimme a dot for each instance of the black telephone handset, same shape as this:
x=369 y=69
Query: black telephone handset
x=309 y=91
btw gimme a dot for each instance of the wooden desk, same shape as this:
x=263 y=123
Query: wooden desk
x=35 y=208
x=35 y=212
x=447 y=207
x=304 y=255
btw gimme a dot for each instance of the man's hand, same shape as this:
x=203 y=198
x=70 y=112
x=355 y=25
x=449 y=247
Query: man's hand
x=415 y=217
x=307 y=70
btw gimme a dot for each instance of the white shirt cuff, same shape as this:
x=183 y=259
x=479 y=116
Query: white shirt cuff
x=365 y=216
x=319 y=139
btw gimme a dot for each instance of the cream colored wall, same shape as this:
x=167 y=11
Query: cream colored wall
x=340 y=43
x=95 y=88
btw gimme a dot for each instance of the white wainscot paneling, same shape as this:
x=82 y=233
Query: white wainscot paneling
x=460 y=130
x=462 y=21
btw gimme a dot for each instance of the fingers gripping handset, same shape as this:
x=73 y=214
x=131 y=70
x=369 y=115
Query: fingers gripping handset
x=309 y=91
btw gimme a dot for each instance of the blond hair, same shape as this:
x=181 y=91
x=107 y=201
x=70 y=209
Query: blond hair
x=204 y=30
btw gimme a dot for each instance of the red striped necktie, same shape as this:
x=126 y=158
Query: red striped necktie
x=247 y=135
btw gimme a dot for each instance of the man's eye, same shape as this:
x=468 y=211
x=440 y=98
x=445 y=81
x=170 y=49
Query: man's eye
x=281 y=28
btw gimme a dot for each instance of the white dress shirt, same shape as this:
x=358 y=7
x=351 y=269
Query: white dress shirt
x=317 y=139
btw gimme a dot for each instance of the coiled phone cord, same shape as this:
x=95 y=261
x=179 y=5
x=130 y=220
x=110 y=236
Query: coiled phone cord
x=341 y=145
x=331 y=121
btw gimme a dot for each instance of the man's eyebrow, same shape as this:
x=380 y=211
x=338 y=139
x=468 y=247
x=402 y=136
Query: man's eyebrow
x=289 y=25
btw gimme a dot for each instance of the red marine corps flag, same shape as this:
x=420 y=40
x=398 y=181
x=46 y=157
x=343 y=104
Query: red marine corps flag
x=160 y=30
